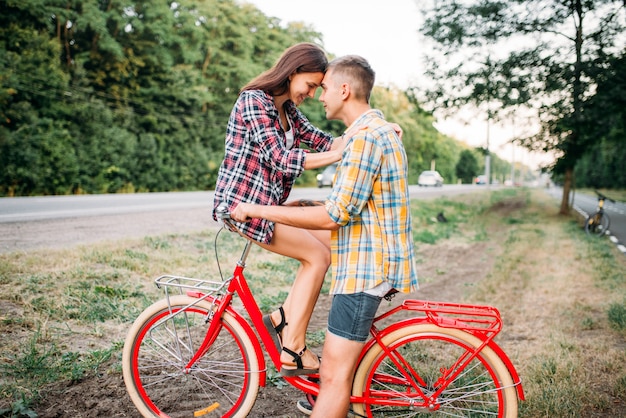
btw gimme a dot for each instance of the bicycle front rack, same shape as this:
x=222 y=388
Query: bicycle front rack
x=199 y=289
x=189 y=283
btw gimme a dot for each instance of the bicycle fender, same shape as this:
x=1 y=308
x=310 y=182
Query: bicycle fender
x=509 y=365
x=450 y=324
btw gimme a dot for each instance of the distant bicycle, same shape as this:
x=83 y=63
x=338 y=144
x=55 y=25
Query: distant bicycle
x=598 y=223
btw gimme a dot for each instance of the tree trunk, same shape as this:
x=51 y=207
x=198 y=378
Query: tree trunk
x=567 y=187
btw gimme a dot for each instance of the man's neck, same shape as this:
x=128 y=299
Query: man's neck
x=354 y=112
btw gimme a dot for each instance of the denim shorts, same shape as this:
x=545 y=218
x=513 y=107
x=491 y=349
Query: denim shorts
x=351 y=315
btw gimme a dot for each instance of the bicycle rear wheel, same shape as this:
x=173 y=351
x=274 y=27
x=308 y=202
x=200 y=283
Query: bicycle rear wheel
x=223 y=382
x=484 y=388
x=597 y=224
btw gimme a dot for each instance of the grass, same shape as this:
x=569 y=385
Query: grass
x=64 y=314
x=573 y=286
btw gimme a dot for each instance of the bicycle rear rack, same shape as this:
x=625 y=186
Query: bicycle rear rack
x=471 y=318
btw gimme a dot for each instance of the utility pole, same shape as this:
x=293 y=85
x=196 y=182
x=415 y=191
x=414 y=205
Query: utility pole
x=487 y=153
x=512 y=164
x=513 y=154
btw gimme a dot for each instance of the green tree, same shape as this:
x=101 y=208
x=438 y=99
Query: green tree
x=565 y=46
x=605 y=122
x=424 y=144
x=467 y=166
x=135 y=95
x=36 y=151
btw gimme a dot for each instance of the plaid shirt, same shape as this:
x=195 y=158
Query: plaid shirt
x=370 y=199
x=257 y=166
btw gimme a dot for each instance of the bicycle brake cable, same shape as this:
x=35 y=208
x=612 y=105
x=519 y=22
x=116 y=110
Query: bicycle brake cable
x=217 y=258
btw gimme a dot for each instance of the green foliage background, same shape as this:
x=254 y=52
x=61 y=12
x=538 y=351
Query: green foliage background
x=103 y=96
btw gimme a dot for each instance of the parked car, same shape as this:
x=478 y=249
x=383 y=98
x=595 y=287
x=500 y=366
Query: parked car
x=430 y=178
x=482 y=179
x=325 y=178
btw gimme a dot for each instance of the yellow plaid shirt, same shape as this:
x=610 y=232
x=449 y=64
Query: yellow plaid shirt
x=370 y=199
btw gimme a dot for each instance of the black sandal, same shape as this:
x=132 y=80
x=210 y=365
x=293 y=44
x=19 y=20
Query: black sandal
x=276 y=330
x=300 y=369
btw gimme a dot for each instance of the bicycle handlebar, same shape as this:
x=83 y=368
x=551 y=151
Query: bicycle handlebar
x=603 y=197
x=223 y=214
x=221 y=211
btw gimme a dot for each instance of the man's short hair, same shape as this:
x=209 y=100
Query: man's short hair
x=357 y=70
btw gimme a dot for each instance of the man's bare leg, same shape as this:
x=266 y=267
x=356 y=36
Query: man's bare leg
x=336 y=373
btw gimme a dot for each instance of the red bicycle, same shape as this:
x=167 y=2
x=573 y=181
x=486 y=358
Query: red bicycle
x=194 y=354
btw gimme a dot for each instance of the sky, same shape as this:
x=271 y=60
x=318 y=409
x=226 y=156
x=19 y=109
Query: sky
x=386 y=34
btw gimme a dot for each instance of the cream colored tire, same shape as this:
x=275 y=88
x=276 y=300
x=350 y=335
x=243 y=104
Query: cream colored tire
x=223 y=382
x=428 y=348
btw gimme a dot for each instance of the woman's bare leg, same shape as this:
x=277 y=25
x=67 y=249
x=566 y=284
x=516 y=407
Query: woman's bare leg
x=312 y=250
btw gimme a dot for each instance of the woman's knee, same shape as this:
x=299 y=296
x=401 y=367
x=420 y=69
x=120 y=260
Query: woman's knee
x=301 y=245
x=317 y=256
x=325 y=259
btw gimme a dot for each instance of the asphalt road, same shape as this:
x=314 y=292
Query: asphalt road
x=28 y=223
x=54 y=221
x=23 y=209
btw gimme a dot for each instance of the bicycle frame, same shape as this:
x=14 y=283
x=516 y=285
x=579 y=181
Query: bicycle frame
x=596 y=217
x=237 y=284
x=483 y=322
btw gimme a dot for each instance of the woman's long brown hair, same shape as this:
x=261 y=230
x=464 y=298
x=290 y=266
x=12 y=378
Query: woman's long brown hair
x=300 y=58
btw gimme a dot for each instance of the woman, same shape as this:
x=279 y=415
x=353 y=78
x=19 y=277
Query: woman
x=262 y=160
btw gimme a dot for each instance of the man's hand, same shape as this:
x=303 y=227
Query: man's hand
x=397 y=128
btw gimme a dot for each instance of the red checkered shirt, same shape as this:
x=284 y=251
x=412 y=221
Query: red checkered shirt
x=257 y=166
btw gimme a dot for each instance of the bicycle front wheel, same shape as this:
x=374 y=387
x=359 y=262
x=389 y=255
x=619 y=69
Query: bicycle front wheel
x=224 y=381
x=597 y=224
x=419 y=354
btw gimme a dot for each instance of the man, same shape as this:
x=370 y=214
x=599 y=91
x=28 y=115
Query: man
x=369 y=217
